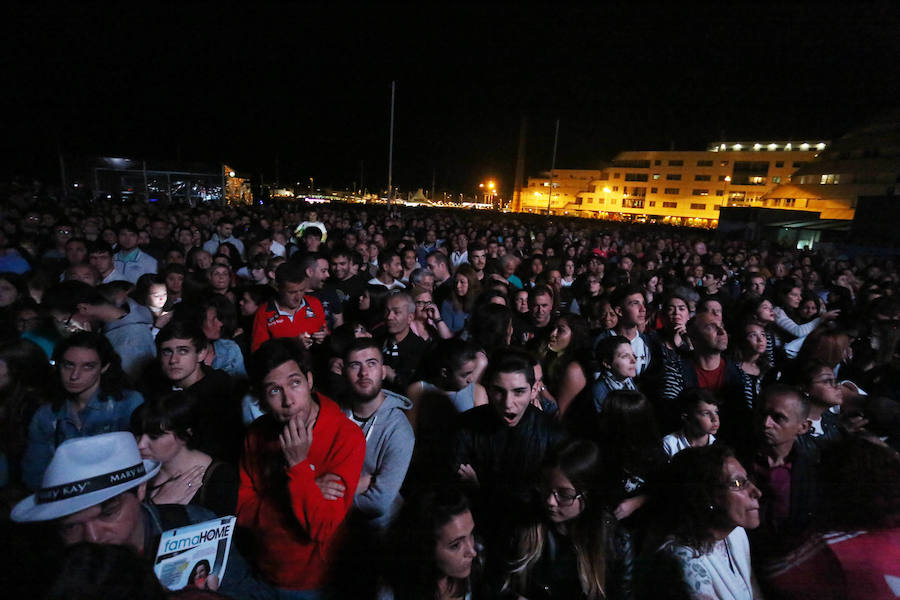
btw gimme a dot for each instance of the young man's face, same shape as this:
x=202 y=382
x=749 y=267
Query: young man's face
x=340 y=267
x=290 y=294
x=317 y=274
x=510 y=394
x=632 y=312
x=128 y=240
x=117 y=521
x=478 y=259
x=703 y=419
x=180 y=360
x=287 y=392
x=364 y=370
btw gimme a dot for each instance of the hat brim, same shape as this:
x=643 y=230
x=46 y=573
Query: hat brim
x=29 y=510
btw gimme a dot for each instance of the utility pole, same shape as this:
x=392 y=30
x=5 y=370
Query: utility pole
x=552 y=166
x=391 y=148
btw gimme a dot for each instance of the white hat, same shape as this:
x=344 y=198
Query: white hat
x=85 y=472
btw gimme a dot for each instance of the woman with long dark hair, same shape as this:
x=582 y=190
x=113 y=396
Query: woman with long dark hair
x=164 y=428
x=456 y=309
x=701 y=508
x=575 y=548
x=89 y=398
x=432 y=549
x=565 y=358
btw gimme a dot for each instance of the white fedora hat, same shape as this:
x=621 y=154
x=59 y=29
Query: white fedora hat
x=85 y=472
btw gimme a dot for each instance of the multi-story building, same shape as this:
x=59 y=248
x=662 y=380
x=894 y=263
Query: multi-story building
x=683 y=187
x=567 y=185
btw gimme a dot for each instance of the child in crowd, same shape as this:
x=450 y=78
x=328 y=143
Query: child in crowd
x=700 y=415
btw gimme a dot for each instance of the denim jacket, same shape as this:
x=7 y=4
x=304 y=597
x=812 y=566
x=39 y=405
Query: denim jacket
x=49 y=428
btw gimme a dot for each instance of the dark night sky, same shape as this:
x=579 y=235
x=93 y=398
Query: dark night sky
x=312 y=86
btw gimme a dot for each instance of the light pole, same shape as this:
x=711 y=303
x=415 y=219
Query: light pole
x=606 y=192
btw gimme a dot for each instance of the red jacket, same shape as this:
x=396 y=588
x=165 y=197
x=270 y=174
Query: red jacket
x=269 y=323
x=292 y=532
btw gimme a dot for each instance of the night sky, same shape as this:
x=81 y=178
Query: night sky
x=310 y=88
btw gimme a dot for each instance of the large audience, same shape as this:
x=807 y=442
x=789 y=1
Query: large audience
x=420 y=403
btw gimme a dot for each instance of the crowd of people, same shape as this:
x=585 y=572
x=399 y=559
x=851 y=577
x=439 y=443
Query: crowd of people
x=416 y=403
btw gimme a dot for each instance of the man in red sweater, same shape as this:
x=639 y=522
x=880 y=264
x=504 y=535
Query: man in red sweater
x=301 y=465
x=294 y=313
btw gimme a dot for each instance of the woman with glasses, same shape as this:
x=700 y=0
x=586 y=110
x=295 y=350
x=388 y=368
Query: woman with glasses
x=572 y=547
x=427 y=323
x=702 y=506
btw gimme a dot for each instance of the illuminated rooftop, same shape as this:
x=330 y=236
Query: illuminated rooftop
x=770 y=146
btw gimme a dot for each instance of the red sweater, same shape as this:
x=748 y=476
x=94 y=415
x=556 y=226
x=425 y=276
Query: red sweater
x=269 y=323
x=292 y=532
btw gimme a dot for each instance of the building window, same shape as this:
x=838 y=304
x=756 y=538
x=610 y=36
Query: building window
x=615 y=188
x=702 y=177
x=776 y=179
x=632 y=164
x=601 y=201
x=830 y=179
x=671 y=191
x=704 y=163
x=717 y=206
x=720 y=192
x=722 y=177
x=635 y=203
x=676 y=163
x=652 y=203
x=653 y=190
x=695 y=206
x=578 y=201
x=673 y=177
x=636 y=177
x=776 y=201
x=657 y=162
x=790 y=202
x=656 y=176
x=670 y=205
x=700 y=193
x=779 y=164
x=615 y=175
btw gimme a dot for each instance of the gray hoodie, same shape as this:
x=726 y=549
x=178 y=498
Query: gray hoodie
x=132 y=338
x=389 y=448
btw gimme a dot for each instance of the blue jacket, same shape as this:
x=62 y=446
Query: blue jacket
x=48 y=429
x=135 y=265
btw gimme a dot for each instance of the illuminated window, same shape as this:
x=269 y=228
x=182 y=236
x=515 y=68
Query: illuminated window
x=830 y=179
x=673 y=177
x=695 y=206
x=776 y=179
x=656 y=176
x=700 y=193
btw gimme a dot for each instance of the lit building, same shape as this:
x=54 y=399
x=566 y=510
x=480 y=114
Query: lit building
x=567 y=185
x=689 y=187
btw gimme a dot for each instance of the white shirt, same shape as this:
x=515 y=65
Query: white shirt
x=676 y=442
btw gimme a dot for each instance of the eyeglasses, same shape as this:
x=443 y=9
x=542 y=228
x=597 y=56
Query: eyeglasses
x=423 y=302
x=564 y=497
x=739 y=484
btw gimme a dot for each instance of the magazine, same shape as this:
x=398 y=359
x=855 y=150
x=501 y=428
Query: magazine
x=194 y=555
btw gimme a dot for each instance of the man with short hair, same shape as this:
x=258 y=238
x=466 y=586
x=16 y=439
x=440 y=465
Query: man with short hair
x=76 y=306
x=540 y=308
x=756 y=284
x=346 y=285
x=224 y=233
x=293 y=313
x=478 y=259
x=461 y=254
x=628 y=303
x=160 y=243
x=498 y=448
x=390 y=270
x=438 y=263
x=182 y=349
x=131 y=260
x=389 y=437
x=423 y=279
x=82 y=272
x=402 y=349
x=95 y=490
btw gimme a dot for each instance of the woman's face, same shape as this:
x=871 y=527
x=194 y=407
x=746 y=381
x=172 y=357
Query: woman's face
x=455 y=546
x=157 y=296
x=608 y=317
x=461 y=284
x=824 y=388
x=8 y=293
x=755 y=338
x=741 y=496
x=174 y=283
x=624 y=362
x=562 y=501
x=422 y=300
x=809 y=309
x=793 y=298
x=365 y=301
x=521 y=302
x=560 y=337
x=212 y=325
x=80 y=370
x=651 y=284
x=569 y=269
x=677 y=312
x=765 y=312
x=248 y=305
x=160 y=447
x=463 y=376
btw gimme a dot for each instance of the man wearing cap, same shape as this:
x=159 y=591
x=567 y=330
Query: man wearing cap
x=94 y=491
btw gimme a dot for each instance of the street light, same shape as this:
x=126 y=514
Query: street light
x=606 y=192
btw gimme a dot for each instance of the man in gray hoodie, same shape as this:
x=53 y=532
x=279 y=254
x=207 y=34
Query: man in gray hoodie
x=389 y=436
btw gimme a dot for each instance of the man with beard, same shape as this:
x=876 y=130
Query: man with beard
x=389 y=436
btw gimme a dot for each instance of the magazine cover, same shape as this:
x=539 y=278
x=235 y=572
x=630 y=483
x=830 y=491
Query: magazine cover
x=195 y=555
